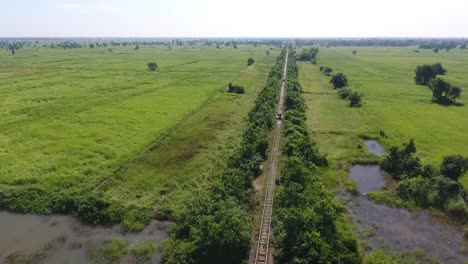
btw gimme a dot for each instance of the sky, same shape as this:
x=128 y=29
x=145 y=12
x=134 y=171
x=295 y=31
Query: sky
x=234 y=18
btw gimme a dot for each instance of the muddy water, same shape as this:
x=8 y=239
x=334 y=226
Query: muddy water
x=374 y=147
x=367 y=177
x=61 y=239
x=401 y=230
x=397 y=228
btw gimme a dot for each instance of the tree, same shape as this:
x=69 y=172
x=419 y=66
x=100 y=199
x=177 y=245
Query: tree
x=91 y=46
x=235 y=46
x=267 y=52
x=13 y=51
x=437 y=69
x=454 y=166
x=339 y=80
x=327 y=70
x=435 y=50
x=426 y=73
x=463 y=46
x=137 y=47
x=354 y=52
x=250 y=61
x=443 y=92
x=354 y=99
x=152 y=66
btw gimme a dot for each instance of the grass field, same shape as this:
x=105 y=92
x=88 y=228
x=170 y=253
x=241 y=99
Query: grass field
x=391 y=103
x=72 y=118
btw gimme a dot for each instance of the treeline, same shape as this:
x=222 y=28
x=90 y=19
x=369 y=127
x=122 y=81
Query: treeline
x=214 y=227
x=340 y=81
x=423 y=43
x=306 y=225
x=426 y=185
x=443 y=92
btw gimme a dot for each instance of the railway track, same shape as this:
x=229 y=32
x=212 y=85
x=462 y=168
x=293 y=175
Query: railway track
x=262 y=252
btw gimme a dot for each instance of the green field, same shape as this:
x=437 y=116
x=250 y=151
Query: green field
x=392 y=102
x=90 y=119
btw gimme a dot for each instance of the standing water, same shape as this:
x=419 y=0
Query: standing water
x=62 y=239
x=375 y=147
x=396 y=228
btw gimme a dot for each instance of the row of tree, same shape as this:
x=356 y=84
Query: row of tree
x=442 y=91
x=426 y=185
x=306 y=222
x=214 y=225
x=340 y=81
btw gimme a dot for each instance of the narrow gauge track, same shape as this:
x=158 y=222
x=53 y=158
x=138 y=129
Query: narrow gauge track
x=262 y=251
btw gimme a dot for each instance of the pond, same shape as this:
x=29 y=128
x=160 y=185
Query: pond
x=374 y=147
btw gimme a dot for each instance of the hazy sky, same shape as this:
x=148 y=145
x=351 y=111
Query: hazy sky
x=234 y=18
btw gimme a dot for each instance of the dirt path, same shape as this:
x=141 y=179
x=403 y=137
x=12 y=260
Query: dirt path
x=262 y=252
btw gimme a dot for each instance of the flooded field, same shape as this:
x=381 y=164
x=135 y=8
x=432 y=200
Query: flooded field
x=401 y=230
x=62 y=239
x=375 y=147
x=398 y=229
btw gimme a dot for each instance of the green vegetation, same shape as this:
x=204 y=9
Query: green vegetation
x=91 y=130
x=115 y=250
x=426 y=73
x=425 y=185
x=393 y=104
x=339 y=80
x=214 y=225
x=143 y=252
x=308 y=224
x=308 y=54
x=250 y=61
x=380 y=257
x=152 y=66
x=238 y=89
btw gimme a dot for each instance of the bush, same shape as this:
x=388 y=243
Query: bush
x=152 y=66
x=344 y=93
x=144 y=252
x=354 y=99
x=115 y=250
x=457 y=208
x=136 y=219
x=327 y=71
x=94 y=210
x=236 y=89
x=250 y=61
x=454 y=166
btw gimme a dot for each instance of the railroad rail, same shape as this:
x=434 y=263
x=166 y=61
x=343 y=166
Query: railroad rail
x=262 y=251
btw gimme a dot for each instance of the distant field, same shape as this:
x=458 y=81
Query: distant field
x=391 y=103
x=72 y=118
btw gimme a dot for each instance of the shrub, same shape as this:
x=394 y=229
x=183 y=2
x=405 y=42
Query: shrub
x=344 y=93
x=457 y=208
x=136 y=218
x=327 y=71
x=94 y=210
x=354 y=99
x=250 y=61
x=144 y=252
x=152 y=66
x=236 y=89
x=115 y=250
x=454 y=166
